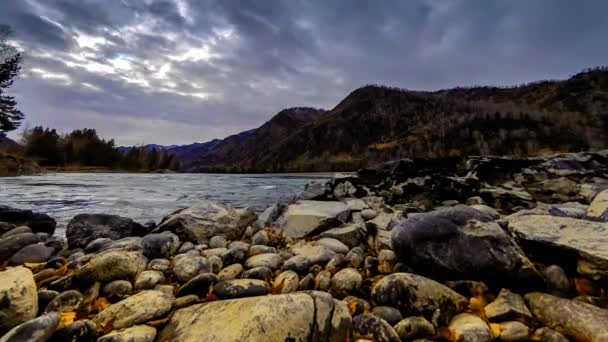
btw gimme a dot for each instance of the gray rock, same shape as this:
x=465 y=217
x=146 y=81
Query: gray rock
x=45 y=297
x=314 y=190
x=207 y=219
x=185 y=267
x=368 y=214
x=230 y=272
x=323 y=281
x=391 y=315
x=112 y=265
x=18 y=297
x=306 y=283
x=577 y=320
x=198 y=285
x=549 y=335
x=514 y=331
x=238 y=288
x=272 y=261
x=470 y=328
x=382 y=240
x=131 y=243
x=260 y=238
x=218 y=241
x=306 y=217
x=137 y=309
x=261 y=273
x=85 y=228
x=214 y=252
x=216 y=264
x=468 y=288
x=332 y=244
x=289 y=317
x=367 y=325
x=508 y=306
x=15 y=231
x=351 y=235
x=599 y=206
x=36 y=253
x=12 y=244
x=236 y=255
x=286 y=282
x=39 y=223
x=138 y=333
x=346 y=282
x=79 y=331
x=161 y=265
x=239 y=244
x=259 y=249
x=336 y=263
x=117 y=289
x=316 y=255
x=96 y=245
x=355 y=257
x=35 y=330
x=556 y=280
x=148 y=279
x=159 y=246
x=65 y=302
x=415 y=295
x=414 y=327
x=186 y=246
x=386 y=261
x=182 y=302
x=269 y=215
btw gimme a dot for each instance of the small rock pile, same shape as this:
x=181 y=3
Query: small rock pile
x=496 y=249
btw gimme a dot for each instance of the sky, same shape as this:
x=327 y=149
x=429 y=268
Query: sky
x=180 y=71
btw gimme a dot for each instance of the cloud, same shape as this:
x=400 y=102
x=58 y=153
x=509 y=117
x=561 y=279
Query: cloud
x=177 y=71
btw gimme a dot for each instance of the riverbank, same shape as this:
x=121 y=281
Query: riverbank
x=502 y=249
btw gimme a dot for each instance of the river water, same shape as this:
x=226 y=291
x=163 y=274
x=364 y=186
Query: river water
x=144 y=197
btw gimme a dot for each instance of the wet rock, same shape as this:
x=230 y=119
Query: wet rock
x=260 y=238
x=367 y=326
x=414 y=327
x=218 y=241
x=83 y=330
x=117 y=289
x=148 y=280
x=370 y=264
x=198 y=285
x=185 y=267
x=356 y=305
x=556 y=280
x=259 y=249
x=306 y=283
x=332 y=244
x=65 y=302
x=12 y=244
x=346 y=282
x=45 y=297
x=84 y=228
x=508 y=306
x=306 y=217
x=96 y=245
x=386 y=261
x=35 y=330
x=286 y=282
x=90 y=294
x=514 y=331
x=160 y=246
x=470 y=328
x=15 y=231
x=137 y=309
x=238 y=288
x=599 y=206
x=138 y=333
x=260 y=273
x=38 y=223
x=236 y=255
x=549 y=335
x=112 y=265
x=36 y=253
x=206 y=219
x=230 y=272
x=574 y=319
x=161 y=265
x=299 y=264
x=355 y=257
x=323 y=281
x=289 y=317
x=415 y=295
x=351 y=235
x=62 y=284
x=272 y=261
x=18 y=297
x=391 y=315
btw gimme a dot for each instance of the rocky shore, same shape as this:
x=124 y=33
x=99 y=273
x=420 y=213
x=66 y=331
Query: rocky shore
x=494 y=249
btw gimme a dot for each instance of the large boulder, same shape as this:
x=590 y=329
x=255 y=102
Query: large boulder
x=35 y=330
x=300 y=316
x=571 y=243
x=305 y=218
x=85 y=228
x=140 y=308
x=462 y=243
x=12 y=244
x=206 y=219
x=39 y=223
x=18 y=297
x=577 y=320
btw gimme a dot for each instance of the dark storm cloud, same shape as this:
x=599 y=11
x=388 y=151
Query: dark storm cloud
x=176 y=71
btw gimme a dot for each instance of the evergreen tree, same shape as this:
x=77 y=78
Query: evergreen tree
x=10 y=65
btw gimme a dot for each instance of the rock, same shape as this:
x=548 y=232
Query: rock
x=355 y=257
x=83 y=330
x=36 y=253
x=35 y=330
x=218 y=241
x=96 y=245
x=514 y=331
x=556 y=280
x=549 y=335
x=182 y=302
x=259 y=249
x=216 y=264
x=367 y=326
x=138 y=333
x=117 y=289
x=386 y=261
x=261 y=273
x=599 y=206
x=368 y=214
x=286 y=282
x=131 y=243
x=468 y=288
x=260 y=238
x=559 y=238
x=391 y=315
x=333 y=245
x=159 y=246
x=84 y=228
x=508 y=306
x=198 y=285
x=470 y=328
x=574 y=319
x=139 y=308
x=65 y=302
x=238 y=288
x=323 y=281
x=305 y=218
x=346 y=282
x=161 y=265
x=185 y=247
x=112 y=265
x=185 y=267
x=356 y=305
x=45 y=297
x=230 y=272
x=15 y=231
x=307 y=283
x=269 y=215
x=206 y=219
x=38 y=223
x=12 y=244
x=415 y=295
x=239 y=244
x=314 y=255
x=336 y=263
x=351 y=235
x=148 y=279
x=18 y=297
x=236 y=255
x=439 y=244
x=414 y=327
x=289 y=317
x=272 y=261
